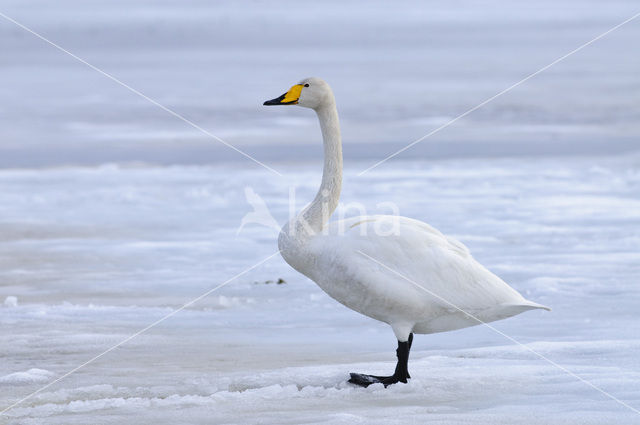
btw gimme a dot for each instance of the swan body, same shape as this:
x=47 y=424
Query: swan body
x=424 y=282
x=394 y=269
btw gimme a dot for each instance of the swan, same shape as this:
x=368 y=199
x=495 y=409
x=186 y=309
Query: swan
x=414 y=278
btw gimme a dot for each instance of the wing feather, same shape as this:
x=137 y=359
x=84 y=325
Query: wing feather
x=416 y=262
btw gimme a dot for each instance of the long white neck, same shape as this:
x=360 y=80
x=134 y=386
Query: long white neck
x=314 y=217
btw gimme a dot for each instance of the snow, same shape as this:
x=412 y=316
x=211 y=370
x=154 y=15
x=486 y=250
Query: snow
x=27 y=377
x=11 y=301
x=113 y=214
x=98 y=253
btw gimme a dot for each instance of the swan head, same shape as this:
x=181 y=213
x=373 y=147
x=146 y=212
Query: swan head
x=311 y=93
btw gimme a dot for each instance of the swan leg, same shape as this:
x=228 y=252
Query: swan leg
x=410 y=341
x=401 y=374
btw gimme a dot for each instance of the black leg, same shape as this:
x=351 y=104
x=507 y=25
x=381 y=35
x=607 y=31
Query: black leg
x=410 y=342
x=401 y=374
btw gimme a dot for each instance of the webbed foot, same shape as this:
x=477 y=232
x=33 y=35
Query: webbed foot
x=401 y=373
x=365 y=380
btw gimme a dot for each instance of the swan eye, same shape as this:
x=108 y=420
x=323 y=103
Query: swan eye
x=306 y=85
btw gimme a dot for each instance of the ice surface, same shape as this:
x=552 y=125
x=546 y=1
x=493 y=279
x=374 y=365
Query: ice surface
x=96 y=254
x=30 y=376
x=398 y=72
x=11 y=301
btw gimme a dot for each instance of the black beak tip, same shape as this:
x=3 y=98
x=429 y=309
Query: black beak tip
x=276 y=101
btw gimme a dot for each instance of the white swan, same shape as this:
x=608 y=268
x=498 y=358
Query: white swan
x=415 y=279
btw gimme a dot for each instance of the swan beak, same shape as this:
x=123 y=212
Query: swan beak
x=289 y=98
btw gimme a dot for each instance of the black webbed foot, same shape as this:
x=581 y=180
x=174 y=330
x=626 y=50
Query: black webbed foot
x=365 y=380
x=401 y=373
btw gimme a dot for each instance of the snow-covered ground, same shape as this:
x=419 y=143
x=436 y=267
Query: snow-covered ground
x=93 y=255
x=548 y=197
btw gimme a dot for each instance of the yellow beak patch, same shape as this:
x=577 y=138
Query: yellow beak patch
x=289 y=98
x=292 y=95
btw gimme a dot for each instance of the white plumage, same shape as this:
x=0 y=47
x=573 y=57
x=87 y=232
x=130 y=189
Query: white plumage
x=416 y=280
x=394 y=269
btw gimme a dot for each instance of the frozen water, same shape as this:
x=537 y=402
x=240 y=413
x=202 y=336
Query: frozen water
x=38 y=376
x=398 y=72
x=92 y=252
x=11 y=301
x=96 y=254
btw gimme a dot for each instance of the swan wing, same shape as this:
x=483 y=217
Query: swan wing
x=410 y=272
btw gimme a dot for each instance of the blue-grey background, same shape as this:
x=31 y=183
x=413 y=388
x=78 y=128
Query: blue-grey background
x=113 y=213
x=398 y=72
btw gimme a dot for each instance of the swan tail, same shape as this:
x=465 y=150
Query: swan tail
x=527 y=305
x=511 y=309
